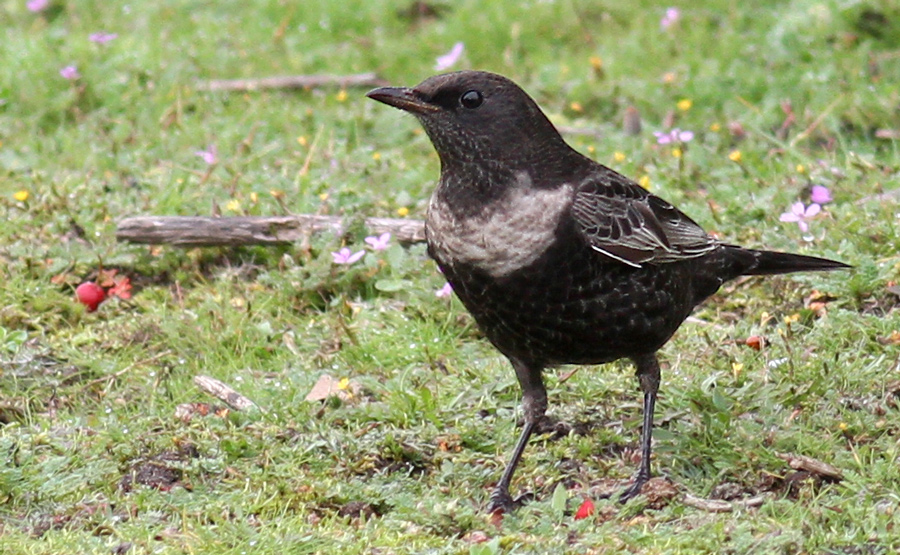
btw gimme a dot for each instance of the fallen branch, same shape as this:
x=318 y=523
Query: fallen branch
x=224 y=393
x=189 y=231
x=295 y=82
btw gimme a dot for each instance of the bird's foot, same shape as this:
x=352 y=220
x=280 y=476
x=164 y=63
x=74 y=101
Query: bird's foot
x=502 y=502
x=635 y=488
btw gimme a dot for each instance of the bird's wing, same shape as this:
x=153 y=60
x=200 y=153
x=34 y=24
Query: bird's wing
x=622 y=220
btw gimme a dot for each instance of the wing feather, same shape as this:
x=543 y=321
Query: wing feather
x=622 y=220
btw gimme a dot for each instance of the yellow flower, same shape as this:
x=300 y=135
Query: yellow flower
x=233 y=205
x=801 y=168
x=302 y=140
x=791 y=319
x=21 y=196
x=596 y=62
x=342 y=96
x=376 y=156
x=685 y=104
x=576 y=107
x=736 y=368
x=403 y=211
x=591 y=149
x=345 y=386
x=644 y=182
x=323 y=196
x=843 y=426
x=715 y=127
x=619 y=156
x=735 y=156
x=254 y=198
x=676 y=153
x=277 y=194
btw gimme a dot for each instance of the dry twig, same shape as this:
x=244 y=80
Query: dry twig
x=224 y=393
x=819 y=468
x=295 y=82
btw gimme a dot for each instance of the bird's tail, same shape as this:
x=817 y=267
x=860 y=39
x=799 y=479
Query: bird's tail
x=771 y=262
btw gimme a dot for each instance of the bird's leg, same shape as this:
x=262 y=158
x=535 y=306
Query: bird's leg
x=648 y=375
x=534 y=404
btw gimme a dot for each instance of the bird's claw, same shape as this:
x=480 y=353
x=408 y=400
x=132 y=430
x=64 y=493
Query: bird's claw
x=634 y=489
x=502 y=502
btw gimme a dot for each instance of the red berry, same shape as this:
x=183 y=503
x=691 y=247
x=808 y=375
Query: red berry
x=90 y=294
x=585 y=510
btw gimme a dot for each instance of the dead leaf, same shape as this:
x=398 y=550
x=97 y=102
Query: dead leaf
x=186 y=411
x=475 y=536
x=496 y=518
x=892 y=339
x=345 y=389
x=756 y=342
x=658 y=491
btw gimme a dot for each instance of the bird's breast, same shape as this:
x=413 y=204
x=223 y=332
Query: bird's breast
x=508 y=234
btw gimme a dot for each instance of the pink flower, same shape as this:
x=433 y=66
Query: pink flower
x=450 y=58
x=36 y=6
x=345 y=256
x=820 y=194
x=379 y=243
x=70 y=73
x=210 y=155
x=674 y=136
x=671 y=18
x=444 y=291
x=102 y=37
x=801 y=215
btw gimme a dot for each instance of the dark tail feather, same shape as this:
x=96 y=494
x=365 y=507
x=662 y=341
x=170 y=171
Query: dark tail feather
x=771 y=262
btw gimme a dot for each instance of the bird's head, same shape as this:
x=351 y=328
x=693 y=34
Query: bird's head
x=479 y=121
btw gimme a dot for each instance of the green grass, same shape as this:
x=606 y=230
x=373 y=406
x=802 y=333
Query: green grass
x=88 y=400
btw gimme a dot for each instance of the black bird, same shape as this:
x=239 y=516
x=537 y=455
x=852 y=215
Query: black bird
x=560 y=260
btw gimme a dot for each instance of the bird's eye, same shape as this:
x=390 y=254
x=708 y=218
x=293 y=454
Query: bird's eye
x=471 y=99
